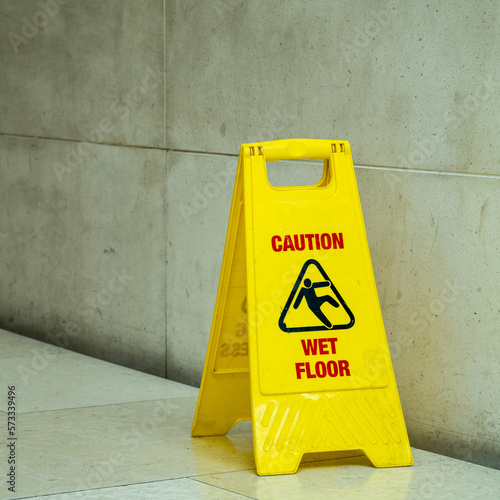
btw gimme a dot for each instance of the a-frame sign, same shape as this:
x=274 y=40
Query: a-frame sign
x=297 y=342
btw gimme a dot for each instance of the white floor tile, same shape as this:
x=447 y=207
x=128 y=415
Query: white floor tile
x=13 y=346
x=178 y=489
x=48 y=381
x=102 y=446
x=431 y=477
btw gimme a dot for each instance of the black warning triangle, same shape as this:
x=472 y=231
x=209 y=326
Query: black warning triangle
x=304 y=294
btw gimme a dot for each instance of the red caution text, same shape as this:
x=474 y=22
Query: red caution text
x=318 y=346
x=321 y=369
x=299 y=242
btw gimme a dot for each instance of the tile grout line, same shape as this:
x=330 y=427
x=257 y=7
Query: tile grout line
x=423 y=171
x=166 y=256
x=164 y=73
x=103 y=405
x=231 y=155
x=165 y=201
x=77 y=141
x=221 y=488
x=180 y=478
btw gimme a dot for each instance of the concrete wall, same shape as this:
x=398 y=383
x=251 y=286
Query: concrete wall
x=119 y=124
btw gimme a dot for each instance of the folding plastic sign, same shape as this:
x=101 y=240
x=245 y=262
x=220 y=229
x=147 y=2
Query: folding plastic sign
x=297 y=342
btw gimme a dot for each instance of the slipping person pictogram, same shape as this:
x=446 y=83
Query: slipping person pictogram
x=308 y=292
x=294 y=318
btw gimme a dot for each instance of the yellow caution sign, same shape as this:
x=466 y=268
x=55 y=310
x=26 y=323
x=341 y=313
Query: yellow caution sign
x=297 y=342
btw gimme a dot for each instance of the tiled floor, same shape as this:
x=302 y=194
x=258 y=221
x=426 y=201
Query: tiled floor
x=92 y=430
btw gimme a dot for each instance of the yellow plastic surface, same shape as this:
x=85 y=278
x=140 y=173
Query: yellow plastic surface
x=297 y=341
